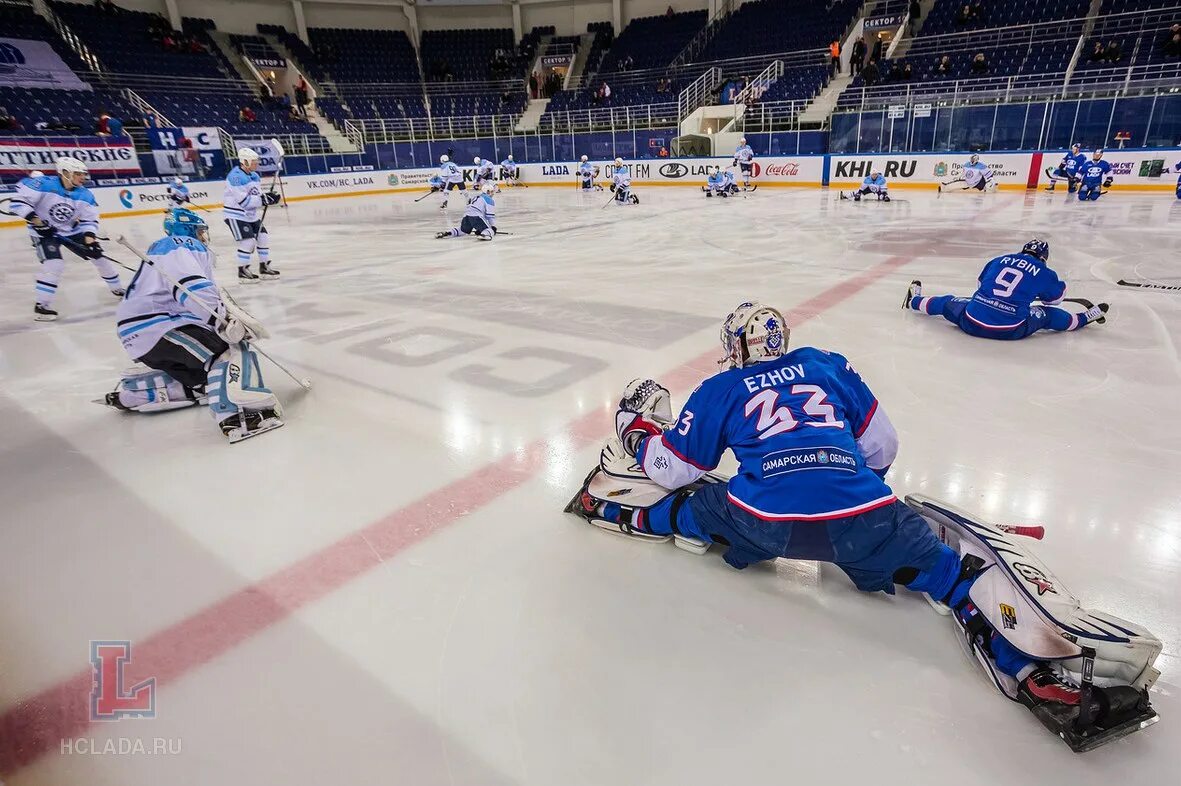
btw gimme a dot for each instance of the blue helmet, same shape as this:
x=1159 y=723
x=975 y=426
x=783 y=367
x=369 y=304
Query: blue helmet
x=184 y=222
x=1037 y=248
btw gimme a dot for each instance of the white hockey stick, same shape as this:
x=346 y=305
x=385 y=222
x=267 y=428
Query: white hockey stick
x=303 y=382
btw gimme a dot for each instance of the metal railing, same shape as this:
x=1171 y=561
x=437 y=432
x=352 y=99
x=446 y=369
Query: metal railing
x=137 y=101
x=699 y=91
x=429 y=129
x=760 y=84
x=771 y=116
x=610 y=118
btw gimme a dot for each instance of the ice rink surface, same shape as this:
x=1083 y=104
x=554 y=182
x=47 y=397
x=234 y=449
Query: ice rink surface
x=386 y=590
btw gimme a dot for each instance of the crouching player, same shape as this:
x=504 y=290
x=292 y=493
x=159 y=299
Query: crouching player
x=1003 y=306
x=874 y=184
x=977 y=176
x=479 y=218
x=813 y=444
x=621 y=184
x=174 y=321
x=586 y=174
x=511 y=172
x=1068 y=169
x=714 y=184
x=1094 y=176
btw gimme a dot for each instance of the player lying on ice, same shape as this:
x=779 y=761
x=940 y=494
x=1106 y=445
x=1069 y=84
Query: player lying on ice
x=813 y=445
x=1003 y=306
x=194 y=343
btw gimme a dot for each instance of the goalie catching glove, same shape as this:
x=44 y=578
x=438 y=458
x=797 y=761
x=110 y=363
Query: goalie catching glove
x=237 y=326
x=644 y=411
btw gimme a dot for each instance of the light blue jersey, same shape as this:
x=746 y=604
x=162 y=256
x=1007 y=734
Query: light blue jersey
x=242 y=200
x=450 y=173
x=178 y=194
x=876 y=185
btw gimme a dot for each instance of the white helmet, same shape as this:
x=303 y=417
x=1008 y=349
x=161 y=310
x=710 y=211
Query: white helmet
x=742 y=141
x=36 y=173
x=246 y=155
x=583 y=159
x=68 y=165
x=443 y=159
x=618 y=162
x=477 y=161
x=510 y=156
x=489 y=188
x=974 y=158
x=178 y=181
x=753 y=333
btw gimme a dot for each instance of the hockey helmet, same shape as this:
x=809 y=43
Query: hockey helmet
x=489 y=188
x=1037 y=248
x=183 y=222
x=583 y=159
x=974 y=158
x=477 y=161
x=443 y=159
x=753 y=333
x=618 y=162
x=247 y=155
x=68 y=167
x=1097 y=154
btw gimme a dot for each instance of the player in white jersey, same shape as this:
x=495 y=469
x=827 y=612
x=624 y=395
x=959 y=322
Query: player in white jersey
x=60 y=211
x=243 y=210
x=744 y=158
x=621 y=184
x=977 y=176
x=485 y=172
x=178 y=193
x=452 y=177
x=586 y=174
x=511 y=172
x=195 y=346
x=479 y=218
x=714 y=184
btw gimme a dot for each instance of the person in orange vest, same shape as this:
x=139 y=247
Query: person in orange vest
x=835 y=50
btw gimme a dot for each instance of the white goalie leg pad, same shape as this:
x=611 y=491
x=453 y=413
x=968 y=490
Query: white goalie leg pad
x=152 y=391
x=235 y=383
x=1024 y=602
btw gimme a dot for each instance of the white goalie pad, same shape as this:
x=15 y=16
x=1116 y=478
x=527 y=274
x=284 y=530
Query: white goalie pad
x=622 y=480
x=1028 y=605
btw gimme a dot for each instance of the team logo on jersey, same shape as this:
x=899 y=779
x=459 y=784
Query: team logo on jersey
x=233 y=372
x=822 y=456
x=1036 y=577
x=109 y=699
x=782 y=462
x=61 y=213
x=125 y=197
x=1008 y=616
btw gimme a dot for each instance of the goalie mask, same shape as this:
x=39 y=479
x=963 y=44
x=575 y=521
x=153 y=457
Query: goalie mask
x=753 y=333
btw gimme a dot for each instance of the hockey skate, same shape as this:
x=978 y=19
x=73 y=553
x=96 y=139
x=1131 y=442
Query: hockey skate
x=119 y=292
x=43 y=313
x=1095 y=312
x=246 y=276
x=1093 y=671
x=251 y=423
x=266 y=272
x=915 y=290
x=441 y=235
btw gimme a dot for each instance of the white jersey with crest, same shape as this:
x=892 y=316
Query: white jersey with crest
x=243 y=196
x=153 y=306
x=744 y=154
x=450 y=173
x=483 y=207
x=974 y=173
x=485 y=169
x=621 y=178
x=69 y=211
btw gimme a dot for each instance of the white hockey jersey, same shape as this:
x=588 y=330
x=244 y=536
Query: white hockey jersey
x=622 y=179
x=178 y=193
x=152 y=306
x=69 y=211
x=482 y=207
x=485 y=169
x=450 y=173
x=243 y=196
x=973 y=173
x=744 y=154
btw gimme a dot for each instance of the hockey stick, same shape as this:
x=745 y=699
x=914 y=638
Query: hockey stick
x=1088 y=305
x=1143 y=285
x=609 y=201
x=275 y=179
x=424 y=196
x=304 y=382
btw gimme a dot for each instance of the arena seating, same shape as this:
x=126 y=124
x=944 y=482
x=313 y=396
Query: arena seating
x=652 y=41
x=469 y=55
x=774 y=26
x=308 y=60
x=944 y=15
x=365 y=55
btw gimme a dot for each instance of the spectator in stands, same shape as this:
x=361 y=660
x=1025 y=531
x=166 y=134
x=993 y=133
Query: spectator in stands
x=979 y=64
x=195 y=46
x=670 y=13
x=293 y=115
x=870 y=73
x=152 y=120
x=8 y=122
x=533 y=85
x=1172 y=47
x=857 y=56
x=944 y=66
x=1097 y=53
x=878 y=45
x=907 y=73
x=246 y=115
x=916 y=11
x=895 y=74
x=834 y=52
x=663 y=152
x=301 y=96
x=977 y=11
x=168 y=41
x=964 y=17
x=107 y=125
x=1113 y=53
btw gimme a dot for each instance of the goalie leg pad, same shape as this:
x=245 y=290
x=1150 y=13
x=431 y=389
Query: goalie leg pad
x=235 y=383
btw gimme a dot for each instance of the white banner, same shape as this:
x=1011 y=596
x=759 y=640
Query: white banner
x=20 y=155
x=26 y=63
x=800 y=170
x=1010 y=170
x=203 y=137
x=268 y=156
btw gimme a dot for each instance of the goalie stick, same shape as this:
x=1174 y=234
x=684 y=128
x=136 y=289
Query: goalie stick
x=1149 y=285
x=232 y=306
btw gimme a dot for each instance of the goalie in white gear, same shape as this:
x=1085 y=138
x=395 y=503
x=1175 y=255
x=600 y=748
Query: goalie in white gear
x=479 y=218
x=813 y=446
x=194 y=344
x=60 y=211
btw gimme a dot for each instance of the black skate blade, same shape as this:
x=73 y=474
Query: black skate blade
x=1059 y=719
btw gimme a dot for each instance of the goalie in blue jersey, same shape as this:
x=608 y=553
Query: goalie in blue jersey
x=814 y=445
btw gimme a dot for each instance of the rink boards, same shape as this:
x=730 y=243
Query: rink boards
x=1134 y=170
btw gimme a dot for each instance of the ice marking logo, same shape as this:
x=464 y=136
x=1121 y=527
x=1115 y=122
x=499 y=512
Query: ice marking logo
x=1035 y=577
x=1008 y=616
x=109 y=700
x=125 y=197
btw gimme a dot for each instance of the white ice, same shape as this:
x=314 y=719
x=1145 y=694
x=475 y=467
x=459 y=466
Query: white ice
x=386 y=591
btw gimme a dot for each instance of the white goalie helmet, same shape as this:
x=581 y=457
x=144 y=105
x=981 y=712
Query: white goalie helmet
x=974 y=158
x=742 y=141
x=68 y=165
x=443 y=159
x=247 y=156
x=489 y=188
x=753 y=333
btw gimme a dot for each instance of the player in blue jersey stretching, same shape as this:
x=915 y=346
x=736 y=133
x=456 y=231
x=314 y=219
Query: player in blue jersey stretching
x=813 y=446
x=1004 y=306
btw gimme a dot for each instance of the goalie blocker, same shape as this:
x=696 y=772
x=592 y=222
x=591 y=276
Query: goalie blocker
x=1016 y=596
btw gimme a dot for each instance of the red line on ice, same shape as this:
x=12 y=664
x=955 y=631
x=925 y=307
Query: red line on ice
x=38 y=724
